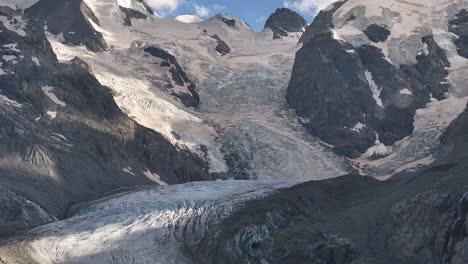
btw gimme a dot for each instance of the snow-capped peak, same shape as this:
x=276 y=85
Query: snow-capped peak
x=285 y=21
x=188 y=19
x=231 y=21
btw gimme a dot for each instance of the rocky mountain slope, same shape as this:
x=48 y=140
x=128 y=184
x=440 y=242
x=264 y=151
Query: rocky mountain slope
x=413 y=218
x=198 y=85
x=382 y=64
x=63 y=138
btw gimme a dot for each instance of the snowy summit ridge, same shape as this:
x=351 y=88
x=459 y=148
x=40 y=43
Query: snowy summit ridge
x=188 y=18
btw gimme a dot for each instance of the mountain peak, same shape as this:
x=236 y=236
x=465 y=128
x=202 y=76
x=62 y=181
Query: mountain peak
x=231 y=21
x=284 y=20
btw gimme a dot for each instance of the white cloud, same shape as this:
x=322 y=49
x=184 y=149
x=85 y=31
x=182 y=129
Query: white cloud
x=260 y=19
x=205 y=11
x=164 y=7
x=308 y=6
x=202 y=11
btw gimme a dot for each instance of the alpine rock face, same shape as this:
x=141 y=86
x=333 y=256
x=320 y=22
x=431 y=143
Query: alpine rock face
x=63 y=137
x=395 y=79
x=285 y=22
x=126 y=137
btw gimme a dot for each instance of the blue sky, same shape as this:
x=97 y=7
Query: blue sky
x=254 y=12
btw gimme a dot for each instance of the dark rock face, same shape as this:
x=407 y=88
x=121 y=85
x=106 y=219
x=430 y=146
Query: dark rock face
x=430 y=70
x=19 y=213
x=336 y=87
x=178 y=75
x=430 y=228
x=313 y=93
x=283 y=21
x=71 y=19
x=459 y=26
x=222 y=48
x=229 y=22
x=377 y=33
x=455 y=139
x=131 y=14
x=147 y=7
x=322 y=22
x=59 y=153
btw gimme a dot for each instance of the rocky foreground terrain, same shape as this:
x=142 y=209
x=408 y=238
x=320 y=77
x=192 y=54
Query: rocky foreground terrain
x=126 y=137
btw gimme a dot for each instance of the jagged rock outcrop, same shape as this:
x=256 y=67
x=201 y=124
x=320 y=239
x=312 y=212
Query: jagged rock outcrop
x=178 y=75
x=69 y=19
x=353 y=88
x=19 y=213
x=459 y=26
x=455 y=140
x=63 y=139
x=284 y=21
x=131 y=14
x=222 y=48
x=231 y=22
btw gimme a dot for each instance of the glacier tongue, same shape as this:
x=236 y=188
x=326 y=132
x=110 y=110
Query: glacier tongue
x=146 y=225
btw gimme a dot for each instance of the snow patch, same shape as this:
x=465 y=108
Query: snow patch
x=406 y=92
x=378 y=150
x=359 y=127
x=16 y=24
x=64 y=52
x=48 y=92
x=8 y=58
x=154 y=177
x=129 y=171
x=376 y=90
x=52 y=114
x=36 y=61
x=6 y=100
x=12 y=47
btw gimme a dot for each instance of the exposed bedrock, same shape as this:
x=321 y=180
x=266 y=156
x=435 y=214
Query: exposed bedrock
x=63 y=139
x=284 y=21
x=131 y=14
x=377 y=33
x=222 y=48
x=62 y=18
x=354 y=97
